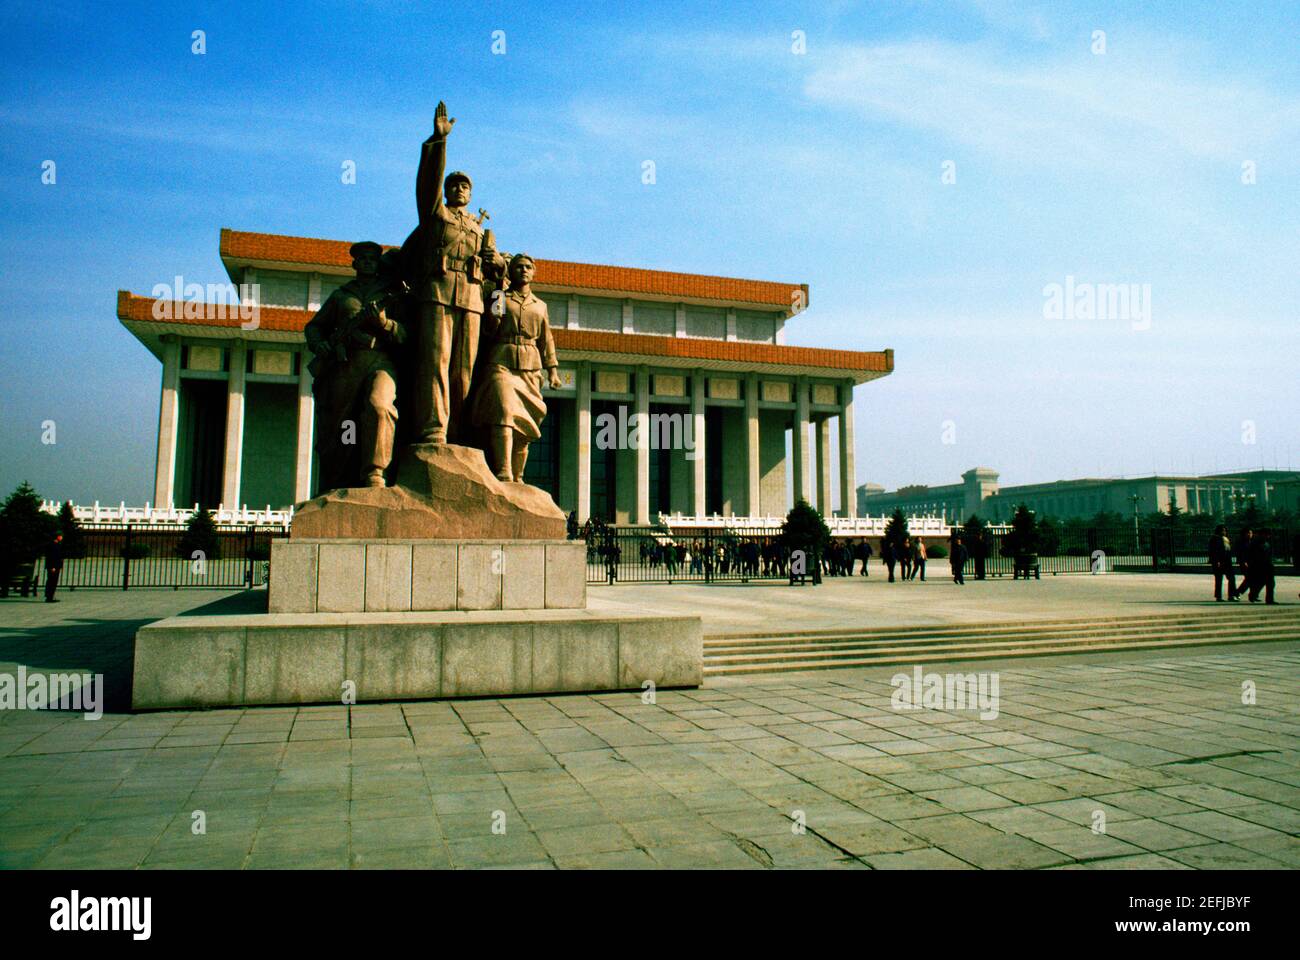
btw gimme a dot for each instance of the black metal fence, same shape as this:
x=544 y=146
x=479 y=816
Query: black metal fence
x=146 y=555
x=649 y=554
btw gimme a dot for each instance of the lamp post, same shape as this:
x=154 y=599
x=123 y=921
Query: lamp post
x=1135 y=499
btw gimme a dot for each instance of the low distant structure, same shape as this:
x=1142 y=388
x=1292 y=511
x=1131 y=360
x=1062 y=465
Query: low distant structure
x=979 y=493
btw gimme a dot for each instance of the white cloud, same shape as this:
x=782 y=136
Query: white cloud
x=1131 y=108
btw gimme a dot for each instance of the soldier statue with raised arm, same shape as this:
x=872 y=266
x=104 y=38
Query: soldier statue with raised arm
x=448 y=257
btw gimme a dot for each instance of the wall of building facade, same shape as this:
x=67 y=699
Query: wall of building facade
x=274 y=464
x=270 y=441
x=1217 y=494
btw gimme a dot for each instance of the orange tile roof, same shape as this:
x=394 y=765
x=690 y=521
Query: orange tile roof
x=278 y=248
x=740 y=351
x=134 y=308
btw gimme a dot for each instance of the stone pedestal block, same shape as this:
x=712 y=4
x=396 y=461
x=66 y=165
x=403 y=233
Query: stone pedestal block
x=353 y=576
x=211 y=661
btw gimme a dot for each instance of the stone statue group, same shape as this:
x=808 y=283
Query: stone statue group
x=410 y=333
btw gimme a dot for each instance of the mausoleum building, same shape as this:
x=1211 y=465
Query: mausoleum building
x=679 y=395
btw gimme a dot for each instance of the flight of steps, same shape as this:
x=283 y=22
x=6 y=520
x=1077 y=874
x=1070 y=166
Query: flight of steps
x=778 y=651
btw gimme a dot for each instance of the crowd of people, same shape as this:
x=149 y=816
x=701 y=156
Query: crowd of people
x=1253 y=553
x=1246 y=564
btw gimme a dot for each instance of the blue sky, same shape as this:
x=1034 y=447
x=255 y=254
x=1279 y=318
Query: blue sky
x=822 y=168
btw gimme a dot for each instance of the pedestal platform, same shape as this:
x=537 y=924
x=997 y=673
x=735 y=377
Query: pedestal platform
x=451 y=584
x=353 y=576
x=234 y=660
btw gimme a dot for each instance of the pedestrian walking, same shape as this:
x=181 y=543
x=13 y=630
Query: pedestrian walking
x=1242 y=553
x=887 y=557
x=957 y=560
x=918 y=559
x=1220 y=552
x=53 y=567
x=1261 y=568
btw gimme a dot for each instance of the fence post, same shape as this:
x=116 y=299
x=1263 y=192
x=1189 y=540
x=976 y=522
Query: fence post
x=126 y=559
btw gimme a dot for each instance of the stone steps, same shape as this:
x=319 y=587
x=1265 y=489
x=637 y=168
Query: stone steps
x=730 y=654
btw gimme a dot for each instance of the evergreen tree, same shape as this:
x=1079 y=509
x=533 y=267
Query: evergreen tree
x=805 y=529
x=200 y=535
x=1023 y=539
x=896 y=531
x=74 y=538
x=26 y=531
x=1049 y=537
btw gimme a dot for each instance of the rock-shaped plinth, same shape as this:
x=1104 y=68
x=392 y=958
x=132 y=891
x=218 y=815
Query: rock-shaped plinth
x=443 y=492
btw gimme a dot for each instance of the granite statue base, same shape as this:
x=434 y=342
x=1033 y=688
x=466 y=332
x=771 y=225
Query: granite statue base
x=353 y=576
x=442 y=492
x=262 y=659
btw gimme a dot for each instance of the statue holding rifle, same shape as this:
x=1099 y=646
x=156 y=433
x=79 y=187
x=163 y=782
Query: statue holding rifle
x=354 y=337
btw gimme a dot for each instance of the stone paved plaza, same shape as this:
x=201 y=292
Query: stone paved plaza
x=872 y=601
x=1186 y=775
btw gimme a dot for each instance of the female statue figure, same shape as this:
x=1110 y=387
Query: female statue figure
x=515 y=345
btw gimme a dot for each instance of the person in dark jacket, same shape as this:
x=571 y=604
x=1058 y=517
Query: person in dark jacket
x=957 y=560
x=887 y=557
x=1220 y=551
x=1242 y=553
x=1261 y=568
x=979 y=550
x=864 y=554
x=53 y=567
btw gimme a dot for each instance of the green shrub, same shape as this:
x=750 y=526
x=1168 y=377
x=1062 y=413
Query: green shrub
x=200 y=537
x=25 y=530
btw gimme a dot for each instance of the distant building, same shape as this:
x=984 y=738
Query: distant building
x=1219 y=494
x=672 y=350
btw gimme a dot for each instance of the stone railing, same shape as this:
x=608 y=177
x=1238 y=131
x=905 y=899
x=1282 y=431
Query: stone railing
x=97 y=513
x=839 y=526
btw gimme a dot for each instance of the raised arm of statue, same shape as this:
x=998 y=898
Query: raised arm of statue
x=433 y=164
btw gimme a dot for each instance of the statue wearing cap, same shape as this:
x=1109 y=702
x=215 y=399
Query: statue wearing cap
x=354 y=337
x=447 y=259
x=517 y=348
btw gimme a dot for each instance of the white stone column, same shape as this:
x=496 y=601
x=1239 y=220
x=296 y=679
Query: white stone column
x=698 y=502
x=234 y=425
x=583 y=425
x=641 y=413
x=824 y=467
x=306 y=415
x=848 y=476
x=802 y=474
x=753 y=438
x=164 y=485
